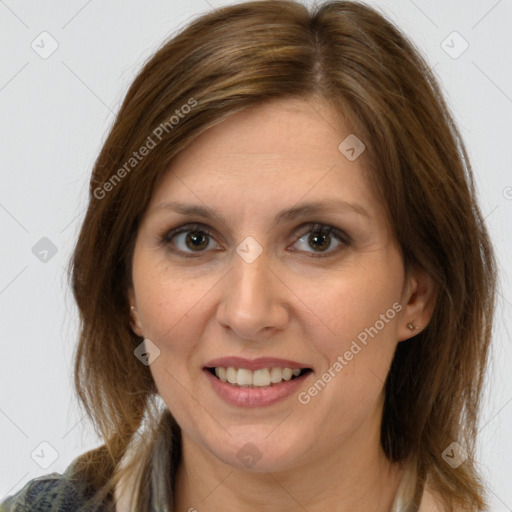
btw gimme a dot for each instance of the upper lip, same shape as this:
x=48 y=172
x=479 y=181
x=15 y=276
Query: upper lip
x=254 y=364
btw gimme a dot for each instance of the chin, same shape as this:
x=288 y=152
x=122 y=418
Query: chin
x=256 y=454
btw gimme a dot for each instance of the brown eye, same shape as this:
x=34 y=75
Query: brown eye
x=324 y=240
x=196 y=240
x=189 y=239
x=319 y=241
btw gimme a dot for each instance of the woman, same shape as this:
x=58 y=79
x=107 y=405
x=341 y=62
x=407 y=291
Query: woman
x=285 y=284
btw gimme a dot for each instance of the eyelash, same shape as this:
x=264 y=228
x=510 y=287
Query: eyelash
x=316 y=228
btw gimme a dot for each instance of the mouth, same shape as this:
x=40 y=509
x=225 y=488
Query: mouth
x=260 y=378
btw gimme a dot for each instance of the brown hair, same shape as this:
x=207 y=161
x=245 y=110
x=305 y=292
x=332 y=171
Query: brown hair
x=240 y=56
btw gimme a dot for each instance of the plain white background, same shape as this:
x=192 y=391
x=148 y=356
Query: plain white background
x=55 y=113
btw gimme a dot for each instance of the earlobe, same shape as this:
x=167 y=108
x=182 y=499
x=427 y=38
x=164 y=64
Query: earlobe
x=419 y=297
x=135 y=323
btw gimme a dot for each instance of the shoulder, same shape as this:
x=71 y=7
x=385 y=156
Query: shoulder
x=54 y=492
x=40 y=494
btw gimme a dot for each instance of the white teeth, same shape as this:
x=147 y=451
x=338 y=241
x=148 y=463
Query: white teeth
x=244 y=377
x=221 y=373
x=287 y=374
x=276 y=375
x=258 y=378
x=231 y=375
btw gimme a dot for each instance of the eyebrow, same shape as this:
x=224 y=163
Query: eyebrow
x=287 y=215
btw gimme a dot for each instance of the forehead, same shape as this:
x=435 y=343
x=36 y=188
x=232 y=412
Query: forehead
x=278 y=151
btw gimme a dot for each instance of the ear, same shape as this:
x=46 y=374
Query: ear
x=419 y=297
x=135 y=322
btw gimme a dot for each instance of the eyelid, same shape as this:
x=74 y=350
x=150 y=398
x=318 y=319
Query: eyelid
x=309 y=227
x=194 y=226
x=319 y=227
x=166 y=239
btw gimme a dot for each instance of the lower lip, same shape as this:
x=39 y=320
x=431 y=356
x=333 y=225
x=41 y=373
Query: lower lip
x=255 y=397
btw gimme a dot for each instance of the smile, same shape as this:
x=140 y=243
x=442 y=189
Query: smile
x=257 y=387
x=263 y=377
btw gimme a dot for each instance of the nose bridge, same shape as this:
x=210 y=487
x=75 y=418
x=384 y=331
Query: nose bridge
x=249 y=278
x=251 y=300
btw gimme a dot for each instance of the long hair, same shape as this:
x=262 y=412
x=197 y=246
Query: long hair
x=244 y=55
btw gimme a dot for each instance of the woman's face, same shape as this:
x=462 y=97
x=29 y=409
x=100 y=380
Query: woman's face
x=247 y=277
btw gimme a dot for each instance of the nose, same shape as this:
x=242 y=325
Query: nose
x=253 y=303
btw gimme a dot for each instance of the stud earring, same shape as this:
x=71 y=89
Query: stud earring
x=132 y=308
x=412 y=327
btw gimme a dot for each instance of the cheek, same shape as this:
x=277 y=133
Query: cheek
x=348 y=303
x=174 y=319
x=168 y=298
x=356 y=337
x=175 y=308
x=355 y=328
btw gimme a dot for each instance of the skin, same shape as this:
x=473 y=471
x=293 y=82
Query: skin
x=325 y=455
